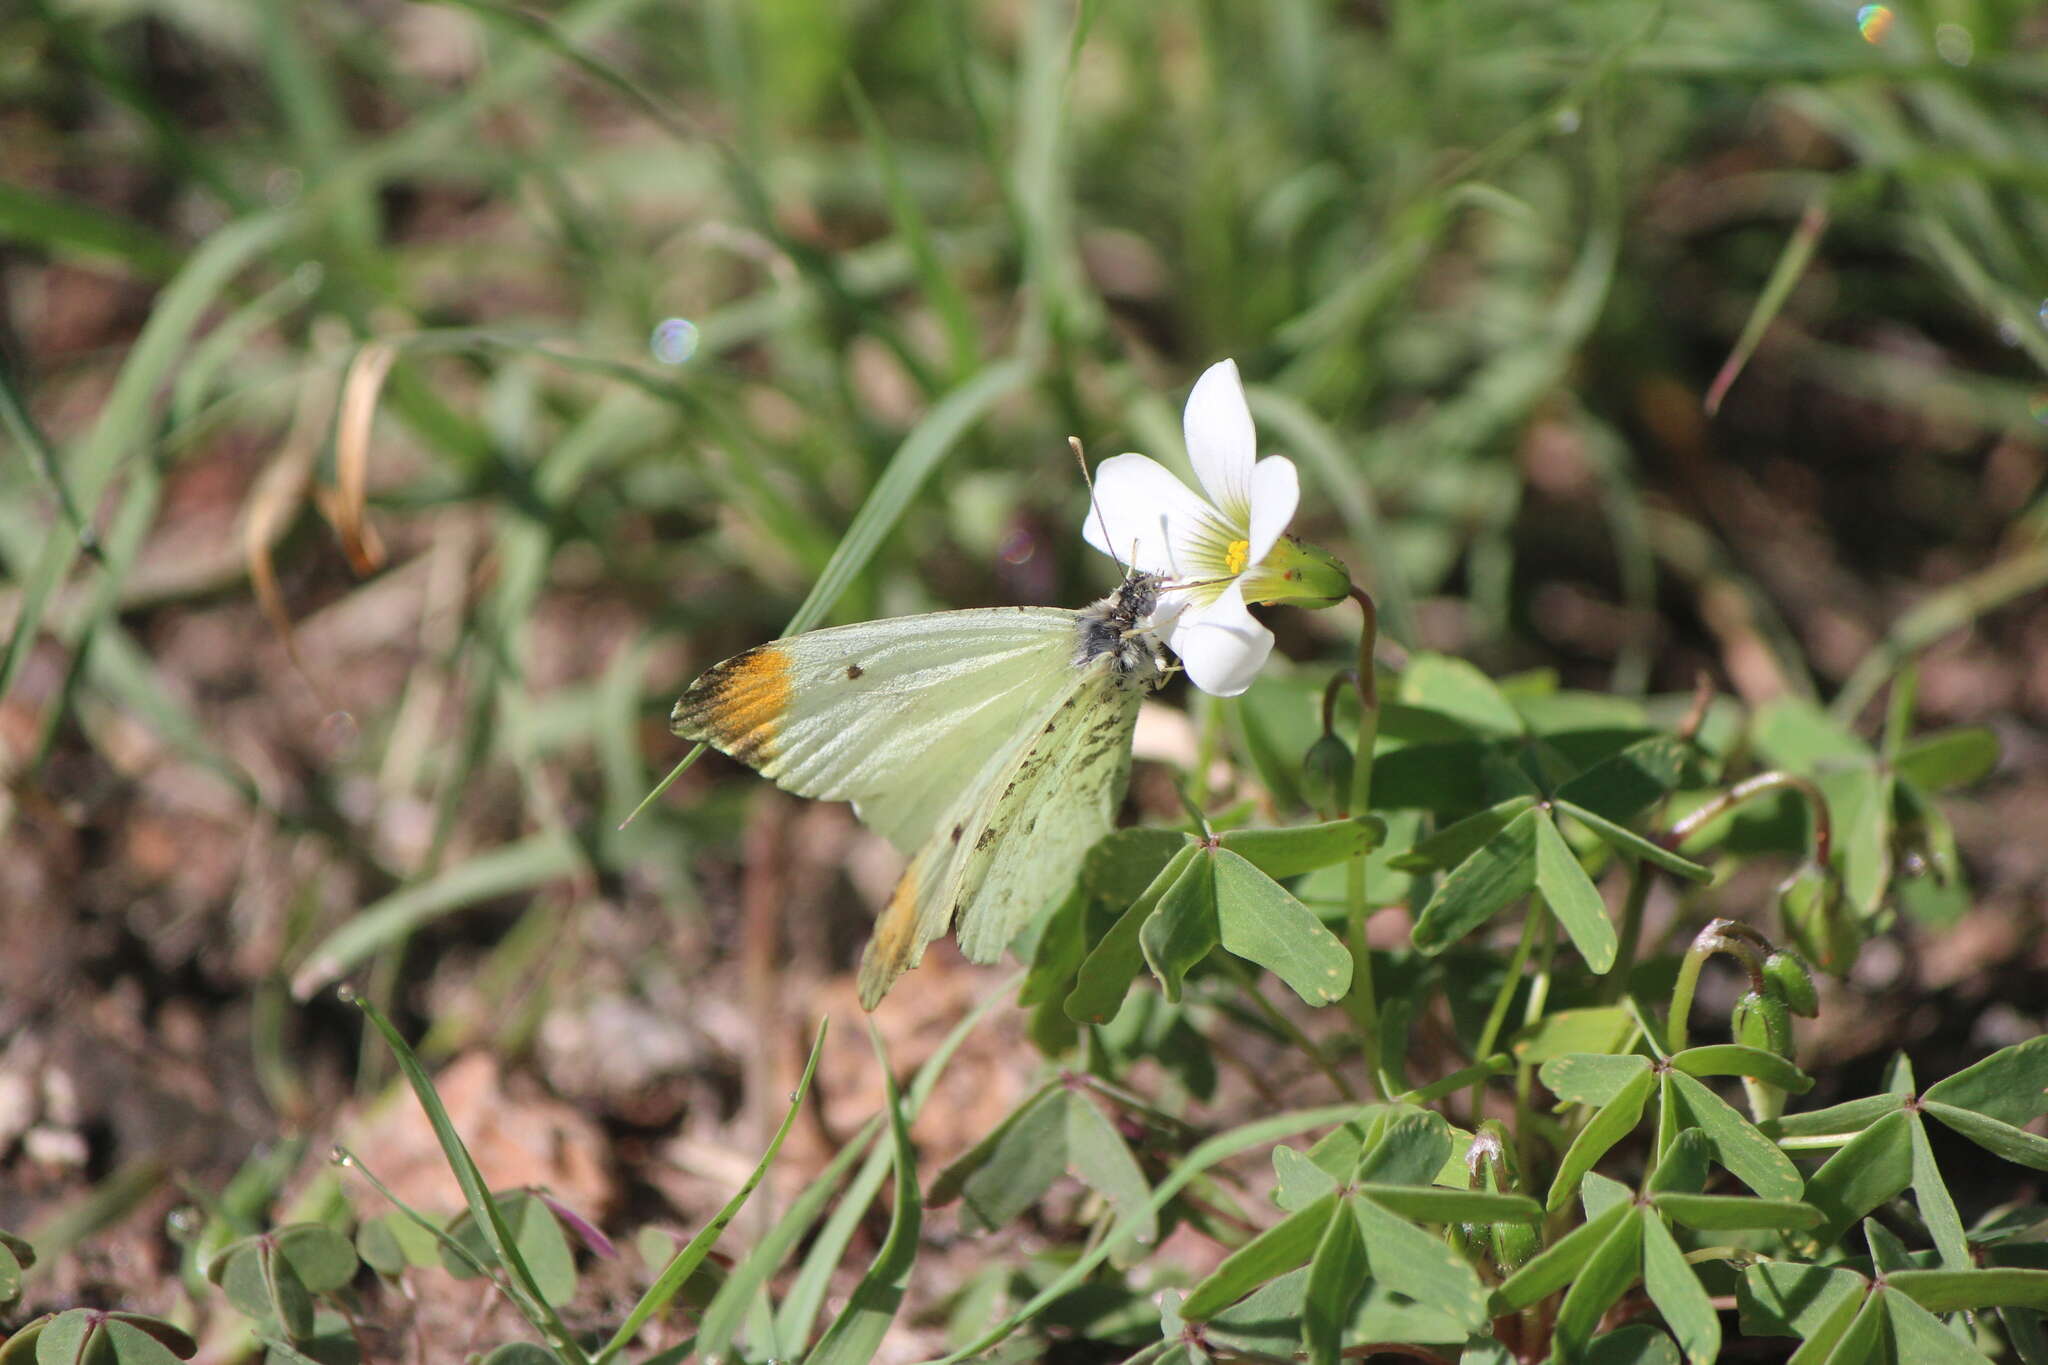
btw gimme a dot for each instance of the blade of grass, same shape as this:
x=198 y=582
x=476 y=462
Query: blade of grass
x=856 y=1334
x=78 y=232
x=476 y=1194
x=21 y=424
x=1339 y=471
x=799 y=1309
x=1950 y=609
x=121 y=430
x=737 y=1299
x=927 y=444
x=941 y=289
x=1792 y=263
x=514 y=867
x=686 y=1261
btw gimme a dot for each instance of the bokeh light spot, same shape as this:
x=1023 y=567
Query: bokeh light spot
x=1953 y=44
x=674 y=340
x=1874 y=21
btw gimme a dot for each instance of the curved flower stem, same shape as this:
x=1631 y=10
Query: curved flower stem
x=1360 y=1001
x=1749 y=789
x=1339 y=680
x=1732 y=937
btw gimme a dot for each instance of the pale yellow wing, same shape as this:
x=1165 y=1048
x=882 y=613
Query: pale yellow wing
x=1012 y=845
x=902 y=717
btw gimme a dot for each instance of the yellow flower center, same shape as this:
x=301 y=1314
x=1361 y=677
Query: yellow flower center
x=1237 y=556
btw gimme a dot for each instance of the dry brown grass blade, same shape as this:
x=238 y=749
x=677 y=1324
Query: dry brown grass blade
x=344 y=504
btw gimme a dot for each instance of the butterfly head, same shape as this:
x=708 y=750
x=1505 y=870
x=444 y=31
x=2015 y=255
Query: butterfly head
x=1120 y=626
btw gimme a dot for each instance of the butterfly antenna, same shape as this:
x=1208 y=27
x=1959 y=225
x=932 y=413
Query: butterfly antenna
x=1195 y=583
x=1101 y=522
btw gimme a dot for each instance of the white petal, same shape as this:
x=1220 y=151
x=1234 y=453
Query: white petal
x=1154 y=522
x=1276 y=491
x=1221 y=442
x=1220 y=643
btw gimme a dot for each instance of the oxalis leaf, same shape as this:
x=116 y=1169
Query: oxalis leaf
x=1591 y=1077
x=1604 y=1277
x=1572 y=897
x=1622 y=786
x=1630 y=844
x=1261 y=922
x=1676 y=1291
x=1616 y=1120
x=1006 y=1172
x=1289 y=852
x=1182 y=929
x=1874 y=1166
x=1280 y=1248
x=1554 y=1267
x=2011 y=1085
x=1499 y=872
x=1106 y=973
x=1103 y=1160
x=1748 y=1155
x=1336 y=1277
x=1419 y=1264
x=2014 y=1144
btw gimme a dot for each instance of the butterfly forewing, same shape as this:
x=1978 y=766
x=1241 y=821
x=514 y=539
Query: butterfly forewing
x=900 y=717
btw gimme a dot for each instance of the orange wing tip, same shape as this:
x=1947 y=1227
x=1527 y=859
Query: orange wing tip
x=894 y=948
x=738 y=706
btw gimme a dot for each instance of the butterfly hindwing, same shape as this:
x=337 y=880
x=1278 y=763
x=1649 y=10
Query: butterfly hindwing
x=1012 y=843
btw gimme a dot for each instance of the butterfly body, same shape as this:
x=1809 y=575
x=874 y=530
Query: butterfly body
x=991 y=746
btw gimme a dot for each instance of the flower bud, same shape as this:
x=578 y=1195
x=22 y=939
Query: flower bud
x=1326 y=776
x=1788 y=977
x=1810 y=904
x=1762 y=1022
x=1513 y=1245
x=1297 y=574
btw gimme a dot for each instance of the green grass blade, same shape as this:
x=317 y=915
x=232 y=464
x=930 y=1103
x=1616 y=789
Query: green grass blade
x=737 y=1297
x=514 y=867
x=691 y=1256
x=942 y=289
x=122 y=428
x=807 y=1292
x=856 y=1334
x=475 y=1193
x=1792 y=263
x=77 y=232
x=928 y=443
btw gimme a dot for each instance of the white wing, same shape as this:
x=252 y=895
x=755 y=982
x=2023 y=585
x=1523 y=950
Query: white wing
x=903 y=717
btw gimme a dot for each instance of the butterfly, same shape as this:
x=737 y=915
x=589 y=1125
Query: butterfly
x=991 y=746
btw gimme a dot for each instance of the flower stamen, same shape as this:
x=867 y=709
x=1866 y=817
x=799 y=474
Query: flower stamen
x=1237 y=556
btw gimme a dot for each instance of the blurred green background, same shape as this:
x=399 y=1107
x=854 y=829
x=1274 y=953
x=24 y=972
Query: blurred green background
x=367 y=501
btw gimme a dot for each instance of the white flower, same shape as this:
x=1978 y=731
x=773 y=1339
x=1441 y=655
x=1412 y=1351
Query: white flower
x=1156 y=524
